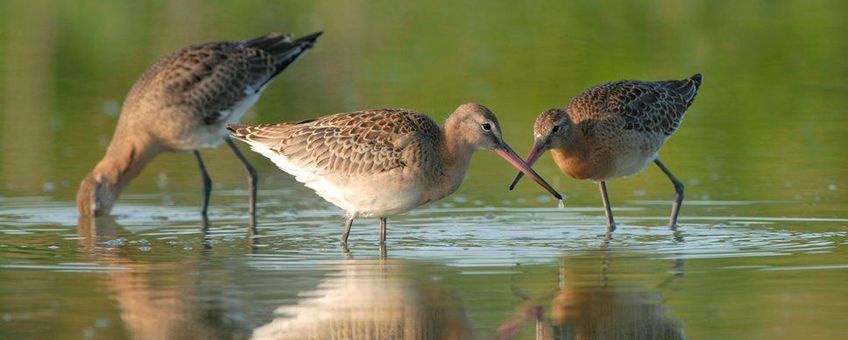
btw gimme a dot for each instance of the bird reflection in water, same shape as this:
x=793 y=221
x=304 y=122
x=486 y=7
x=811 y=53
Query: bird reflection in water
x=371 y=299
x=152 y=296
x=599 y=310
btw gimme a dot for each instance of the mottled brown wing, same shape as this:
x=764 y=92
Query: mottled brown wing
x=213 y=78
x=356 y=143
x=646 y=106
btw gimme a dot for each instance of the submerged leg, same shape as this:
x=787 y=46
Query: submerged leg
x=382 y=230
x=678 y=194
x=251 y=181
x=207 y=188
x=346 y=231
x=607 y=209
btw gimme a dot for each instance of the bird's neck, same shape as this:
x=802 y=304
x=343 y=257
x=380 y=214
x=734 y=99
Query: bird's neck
x=126 y=155
x=455 y=155
x=574 y=142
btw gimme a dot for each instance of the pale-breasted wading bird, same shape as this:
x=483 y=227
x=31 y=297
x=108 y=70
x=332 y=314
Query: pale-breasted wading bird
x=384 y=162
x=184 y=103
x=614 y=130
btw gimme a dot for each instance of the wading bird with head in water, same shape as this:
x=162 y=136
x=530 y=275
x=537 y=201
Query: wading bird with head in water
x=615 y=130
x=184 y=103
x=382 y=162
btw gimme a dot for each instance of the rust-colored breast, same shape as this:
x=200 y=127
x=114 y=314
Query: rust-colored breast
x=572 y=163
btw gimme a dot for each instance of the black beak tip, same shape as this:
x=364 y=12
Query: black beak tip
x=558 y=196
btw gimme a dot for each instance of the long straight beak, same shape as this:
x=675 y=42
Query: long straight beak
x=510 y=156
x=535 y=152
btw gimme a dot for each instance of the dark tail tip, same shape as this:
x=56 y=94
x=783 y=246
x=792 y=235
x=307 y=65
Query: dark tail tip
x=307 y=41
x=697 y=78
x=310 y=38
x=282 y=49
x=237 y=130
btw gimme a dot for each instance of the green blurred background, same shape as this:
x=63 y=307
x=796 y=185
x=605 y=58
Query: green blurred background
x=765 y=139
x=768 y=124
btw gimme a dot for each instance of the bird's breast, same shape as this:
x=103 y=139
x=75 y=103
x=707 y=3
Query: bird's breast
x=574 y=164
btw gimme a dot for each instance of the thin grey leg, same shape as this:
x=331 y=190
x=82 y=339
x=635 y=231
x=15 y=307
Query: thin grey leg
x=607 y=209
x=346 y=231
x=382 y=230
x=207 y=189
x=383 y=252
x=678 y=194
x=346 y=252
x=252 y=179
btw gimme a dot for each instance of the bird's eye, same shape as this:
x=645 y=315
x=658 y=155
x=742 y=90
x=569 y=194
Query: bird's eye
x=487 y=127
x=555 y=128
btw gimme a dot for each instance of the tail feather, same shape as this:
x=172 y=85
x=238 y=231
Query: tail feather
x=239 y=131
x=688 y=88
x=310 y=38
x=697 y=79
x=284 y=50
x=280 y=46
x=693 y=84
x=268 y=135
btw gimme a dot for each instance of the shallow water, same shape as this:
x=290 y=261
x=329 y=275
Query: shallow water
x=761 y=251
x=467 y=271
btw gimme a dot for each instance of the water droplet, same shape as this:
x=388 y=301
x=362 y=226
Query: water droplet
x=831 y=187
x=560 y=204
x=145 y=248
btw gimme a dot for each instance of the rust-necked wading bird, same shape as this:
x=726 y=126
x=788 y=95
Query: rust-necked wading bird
x=382 y=162
x=184 y=103
x=615 y=130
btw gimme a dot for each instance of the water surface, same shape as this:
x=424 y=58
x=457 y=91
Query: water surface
x=761 y=251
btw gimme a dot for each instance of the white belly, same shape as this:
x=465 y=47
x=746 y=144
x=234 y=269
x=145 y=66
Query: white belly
x=641 y=153
x=632 y=163
x=366 y=195
x=210 y=136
